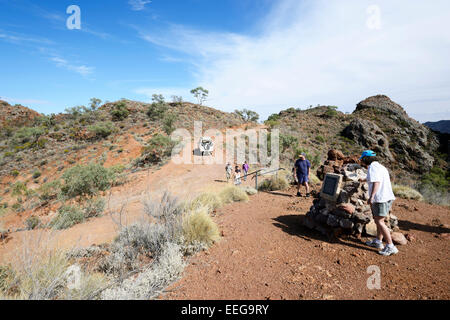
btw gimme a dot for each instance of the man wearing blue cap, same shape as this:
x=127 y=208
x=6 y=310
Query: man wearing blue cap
x=381 y=198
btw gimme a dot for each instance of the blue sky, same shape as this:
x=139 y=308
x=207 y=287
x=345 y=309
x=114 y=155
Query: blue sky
x=259 y=54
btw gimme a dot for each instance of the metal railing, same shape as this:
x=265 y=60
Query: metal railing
x=256 y=173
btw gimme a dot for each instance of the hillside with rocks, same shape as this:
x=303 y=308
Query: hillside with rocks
x=97 y=183
x=408 y=148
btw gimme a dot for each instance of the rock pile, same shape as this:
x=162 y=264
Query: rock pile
x=350 y=213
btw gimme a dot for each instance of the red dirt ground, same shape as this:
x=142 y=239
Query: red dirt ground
x=266 y=253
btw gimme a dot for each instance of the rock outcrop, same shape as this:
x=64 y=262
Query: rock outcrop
x=385 y=127
x=350 y=213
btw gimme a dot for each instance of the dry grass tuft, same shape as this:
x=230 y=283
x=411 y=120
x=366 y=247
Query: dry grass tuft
x=233 y=194
x=198 y=226
x=407 y=193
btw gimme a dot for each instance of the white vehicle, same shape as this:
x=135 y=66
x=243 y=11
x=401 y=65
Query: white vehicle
x=206 y=146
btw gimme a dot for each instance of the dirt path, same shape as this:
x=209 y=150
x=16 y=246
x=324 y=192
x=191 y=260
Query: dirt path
x=185 y=181
x=266 y=254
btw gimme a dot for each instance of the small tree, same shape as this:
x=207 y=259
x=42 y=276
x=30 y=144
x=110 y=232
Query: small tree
x=158 y=108
x=177 y=99
x=201 y=94
x=247 y=115
x=95 y=103
x=168 y=123
x=120 y=112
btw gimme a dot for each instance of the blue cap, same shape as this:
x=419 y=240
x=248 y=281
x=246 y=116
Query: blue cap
x=368 y=153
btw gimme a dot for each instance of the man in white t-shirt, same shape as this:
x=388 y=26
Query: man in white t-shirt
x=381 y=198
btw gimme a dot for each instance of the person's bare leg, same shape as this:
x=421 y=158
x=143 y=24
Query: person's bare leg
x=383 y=229
x=307 y=187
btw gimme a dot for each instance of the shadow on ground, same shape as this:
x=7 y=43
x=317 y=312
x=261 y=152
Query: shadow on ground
x=407 y=226
x=293 y=225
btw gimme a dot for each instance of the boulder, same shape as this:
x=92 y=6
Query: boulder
x=347 y=207
x=343 y=197
x=370 y=136
x=362 y=217
x=332 y=221
x=335 y=155
x=346 y=224
x=371 y=228
x=398 y=238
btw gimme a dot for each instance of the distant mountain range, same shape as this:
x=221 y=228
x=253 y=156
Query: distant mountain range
x=441 y=126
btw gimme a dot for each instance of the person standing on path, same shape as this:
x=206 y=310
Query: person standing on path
x=245 y=168
x=237 y=176
x=302 y=169
x=228 y=171
x=381 y=198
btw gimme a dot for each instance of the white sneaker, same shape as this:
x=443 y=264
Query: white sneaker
x=387 y=251
x=375 y=243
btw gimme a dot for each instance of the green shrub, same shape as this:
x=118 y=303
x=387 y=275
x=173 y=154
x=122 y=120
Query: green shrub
x=199 y=227
x=435 y=186
x=49 y=190
x=168 y=123
x=287 y=142
x=102 y=129
x=32 y=223
x=158 y=108
x=233 y=194
x=27 y=135
x=331 y=112
x=36 y=174
x=120 y=112
x=313 y=179
x=406 y=192
x=320 y=139
x=94 y=208
x=67 y=217
x=86 y=180
x=158 y=148
x=19 y=189
x=15 y=173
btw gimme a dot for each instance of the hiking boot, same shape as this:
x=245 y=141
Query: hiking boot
x=375 y=243
x=308 y=195
x=299 y=194
x=388 y=250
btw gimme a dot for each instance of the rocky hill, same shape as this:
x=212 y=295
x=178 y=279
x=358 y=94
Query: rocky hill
x=32 y=142
x=409 y=148
x=442 y=126
x=17 y=115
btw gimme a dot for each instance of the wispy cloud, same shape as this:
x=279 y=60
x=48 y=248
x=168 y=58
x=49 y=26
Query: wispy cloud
x=23 y=39
x=138 y=5
x=316 y=51
x=80 y=69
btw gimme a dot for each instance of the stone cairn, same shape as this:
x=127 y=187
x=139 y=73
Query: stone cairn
x=350 y=213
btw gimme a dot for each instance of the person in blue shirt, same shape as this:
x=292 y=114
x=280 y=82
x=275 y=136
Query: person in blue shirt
x=302 y=169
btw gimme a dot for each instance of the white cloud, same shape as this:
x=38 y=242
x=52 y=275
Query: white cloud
x=138 y=5
x=322 y=52
x=81 y=69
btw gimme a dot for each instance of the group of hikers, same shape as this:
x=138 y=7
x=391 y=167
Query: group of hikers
x=381 y=195
x=237 y=172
